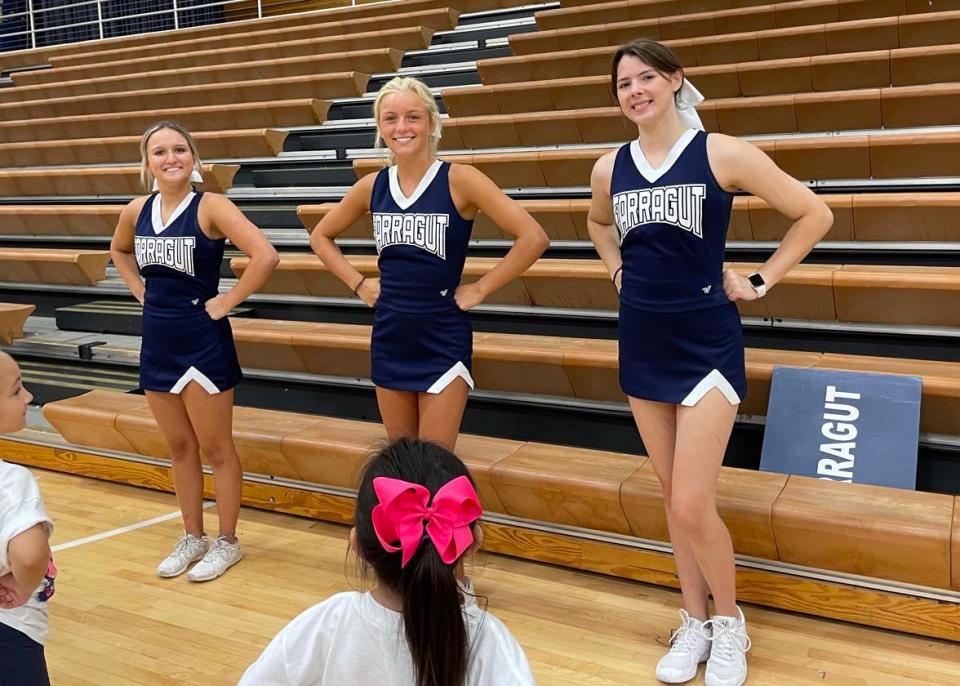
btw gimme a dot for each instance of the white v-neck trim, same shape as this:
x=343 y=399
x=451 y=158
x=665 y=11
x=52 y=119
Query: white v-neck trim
x=398 y=197
x=158 y=225
x=648 y=172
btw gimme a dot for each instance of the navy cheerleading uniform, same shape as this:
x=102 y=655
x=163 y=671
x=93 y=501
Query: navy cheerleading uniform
x=422 y=341
x=181 y=268
x=679 y=334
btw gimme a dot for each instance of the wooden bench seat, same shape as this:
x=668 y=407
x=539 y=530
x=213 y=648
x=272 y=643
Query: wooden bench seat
x=440 y=19
x=211 y=118
x=884 y=533
x=910 y=295
x=815 y=158
x=811 y=10
x=821 y=19
x=851 y=528
x=412 y=38
x=907 y=70
x=805 y=43
x=580 y=368
x=629 y=10
x=366 y=61
x=873 y=108
x=59 y=220
x=251 y=93
x=53 y=266
x=12 y=318
x=212 y=32
x=905 y=293
x=745 y=499
x=214 y=144
x=98 y=181
x=861 y=217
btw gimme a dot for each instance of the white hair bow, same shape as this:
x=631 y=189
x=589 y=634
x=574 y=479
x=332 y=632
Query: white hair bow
x=195 y=177
x=687 y=100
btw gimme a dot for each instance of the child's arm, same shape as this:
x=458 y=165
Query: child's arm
x=29 y=554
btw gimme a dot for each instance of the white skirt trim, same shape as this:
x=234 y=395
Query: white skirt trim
x=459 y=370
x=712 y=380
x=194 y=374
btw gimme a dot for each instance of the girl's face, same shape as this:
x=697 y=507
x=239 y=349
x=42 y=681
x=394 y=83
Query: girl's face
x=645 y=94
x=14 y=398
x=169 y=158
x=404 y=124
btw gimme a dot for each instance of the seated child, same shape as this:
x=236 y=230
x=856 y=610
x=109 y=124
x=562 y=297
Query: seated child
x=416 y=518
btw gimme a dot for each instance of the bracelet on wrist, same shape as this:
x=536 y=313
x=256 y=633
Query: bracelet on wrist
x=357 y=288
x=613 y=279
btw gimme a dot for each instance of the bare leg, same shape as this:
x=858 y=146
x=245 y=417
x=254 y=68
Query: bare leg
x=212 y=419
x=441 y=414
x=171 y=415
x=399 y=412
x=703 y=432
x=657 y=423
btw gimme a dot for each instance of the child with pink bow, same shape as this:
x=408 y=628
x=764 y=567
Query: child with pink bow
x=416 y=519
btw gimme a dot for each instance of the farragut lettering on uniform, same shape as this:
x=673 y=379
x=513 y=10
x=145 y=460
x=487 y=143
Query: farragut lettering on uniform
x=680 y=206
x=425 y=231
x=175 y=253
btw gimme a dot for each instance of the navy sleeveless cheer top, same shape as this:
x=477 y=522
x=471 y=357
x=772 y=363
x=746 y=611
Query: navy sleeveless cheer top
x=421 y=241
x=673 y=226
x=180 y=264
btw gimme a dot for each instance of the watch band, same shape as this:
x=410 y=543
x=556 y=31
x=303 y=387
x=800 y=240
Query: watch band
x=758 y=284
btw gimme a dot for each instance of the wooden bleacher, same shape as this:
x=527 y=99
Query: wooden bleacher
x=916 y=42
x=12 y=318
x=785 y=68
x=411 y=38
x=918 y=295
x=86 y=181
x=439 y=19
x=867 y=530
x=581 y=368
x=53 y=266
x=838 y=157
x=366 y=61
x=224 y=95
x=58 y=220
x=856 y=217
x=215 y=144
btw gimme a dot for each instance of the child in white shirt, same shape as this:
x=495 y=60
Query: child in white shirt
x=26 y=568
x=415 y=520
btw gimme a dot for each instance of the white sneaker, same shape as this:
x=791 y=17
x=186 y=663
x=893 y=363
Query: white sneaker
x=189 y=549
x=727 y=665
x=221 y=557
x=689 y=646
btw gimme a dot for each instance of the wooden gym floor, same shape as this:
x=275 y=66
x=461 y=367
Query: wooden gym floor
x=113 y=622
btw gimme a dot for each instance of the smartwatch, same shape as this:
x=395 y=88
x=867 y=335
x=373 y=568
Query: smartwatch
x=758 y=284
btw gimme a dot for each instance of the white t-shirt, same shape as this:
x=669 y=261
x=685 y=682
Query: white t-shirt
x=350 y=639
x=21 y=508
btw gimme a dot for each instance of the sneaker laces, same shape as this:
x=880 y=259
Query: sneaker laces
x=728 y=639
x=684 y=638
x=217 y=551
x=180 y=550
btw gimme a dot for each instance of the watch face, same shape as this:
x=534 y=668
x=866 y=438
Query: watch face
x=756 y=281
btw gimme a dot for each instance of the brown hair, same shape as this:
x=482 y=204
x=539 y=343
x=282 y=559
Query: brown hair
x=146 y=176
x=657 y=55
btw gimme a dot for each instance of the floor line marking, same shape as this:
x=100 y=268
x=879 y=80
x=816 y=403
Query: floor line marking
x=122 y=530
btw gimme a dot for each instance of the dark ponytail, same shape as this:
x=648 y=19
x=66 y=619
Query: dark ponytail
x=433 y=620
x=432 y=603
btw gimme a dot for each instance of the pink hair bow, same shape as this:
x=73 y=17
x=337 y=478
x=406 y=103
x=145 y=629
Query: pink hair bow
x=405 y=510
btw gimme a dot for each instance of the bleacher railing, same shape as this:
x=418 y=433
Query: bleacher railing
x=28 y=24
